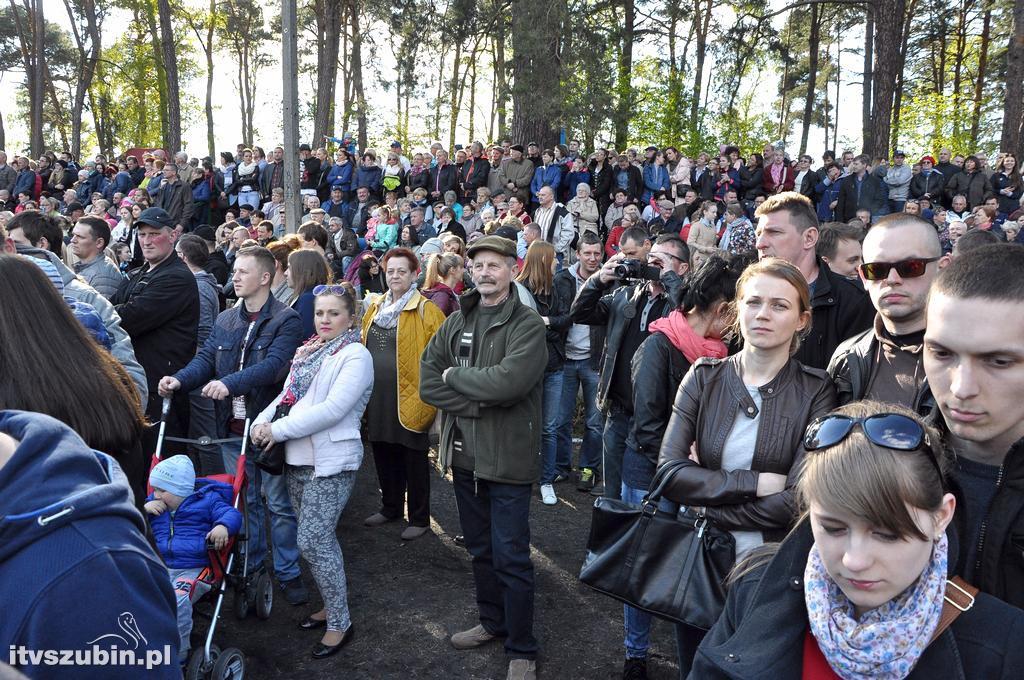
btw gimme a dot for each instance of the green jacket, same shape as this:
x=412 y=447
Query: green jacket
x=496 y=401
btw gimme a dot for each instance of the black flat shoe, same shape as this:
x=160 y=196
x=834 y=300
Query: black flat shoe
x=312 y=624
x=322 y=651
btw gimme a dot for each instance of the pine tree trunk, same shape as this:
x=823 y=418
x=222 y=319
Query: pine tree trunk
x=38 y=78
x=210 y=20
x=812 y=75
x=867 y=134
x=888 y=31
x=1012 y=138
x=357 y=74
x=501 y=85
x=172 y=142
x=624 y=87
x=536 y=71
x=161 y=73
x=979 y=83
x=328 y=19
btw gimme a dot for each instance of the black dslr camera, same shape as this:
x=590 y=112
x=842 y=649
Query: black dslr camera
x=637 y=270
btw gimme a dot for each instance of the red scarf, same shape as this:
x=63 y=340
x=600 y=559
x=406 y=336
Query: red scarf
x=693 y=346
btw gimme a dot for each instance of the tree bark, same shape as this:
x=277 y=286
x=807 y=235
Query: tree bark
x=210 y=20
x=1013 y=110
x=624 y=87
x=87 y=60
x=328 y=20
x=537 y=71
x=958 y=66
x=38 y=78
x=812 y=75
x=453 y=110
x=161 y=73
x=898 y=96
x=867 y=134
x=3 y=132
x=889 y=19
x=172 y=141
x=357 y=73
x=979 y=83
x=702 y=22
x=501 y=82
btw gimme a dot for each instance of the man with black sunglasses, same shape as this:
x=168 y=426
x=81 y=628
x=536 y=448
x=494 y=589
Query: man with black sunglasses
x=902 y=256
x=974 y=360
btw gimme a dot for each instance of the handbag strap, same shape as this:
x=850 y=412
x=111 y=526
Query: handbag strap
x=661 y=479
x=959 y=597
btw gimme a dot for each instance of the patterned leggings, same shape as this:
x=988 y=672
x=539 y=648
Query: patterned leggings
x=318 y=502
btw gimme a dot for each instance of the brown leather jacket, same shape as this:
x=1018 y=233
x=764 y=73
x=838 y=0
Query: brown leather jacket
x=708 y=401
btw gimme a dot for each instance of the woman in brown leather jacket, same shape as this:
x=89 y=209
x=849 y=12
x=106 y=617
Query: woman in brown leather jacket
x=740 y=420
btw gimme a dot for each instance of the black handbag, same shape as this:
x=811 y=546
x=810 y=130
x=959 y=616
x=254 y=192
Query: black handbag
x=671 y=565
x=270 y=459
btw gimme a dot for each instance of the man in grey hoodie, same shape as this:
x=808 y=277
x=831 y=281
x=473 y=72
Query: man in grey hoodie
x=76 y=288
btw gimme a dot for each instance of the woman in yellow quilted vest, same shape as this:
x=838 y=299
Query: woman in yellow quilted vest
x=396 y=328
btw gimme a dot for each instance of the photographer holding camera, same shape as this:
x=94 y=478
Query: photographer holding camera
x=650 y=283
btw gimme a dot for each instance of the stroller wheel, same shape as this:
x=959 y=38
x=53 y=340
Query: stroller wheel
x=230 y=665
x=196 y=669
x=243 y=602
x=264 y=589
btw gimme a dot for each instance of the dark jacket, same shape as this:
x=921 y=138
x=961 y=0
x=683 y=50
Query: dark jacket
x=601 y=185
x=709 y=399
x=72 y=551
x=613 y=310
x=442 y=296
x=474 y=175
x=268 y=354
x=851 y=367
x=176 y=199
x=369 y=177
x=786 y=179
x=272 y=176
x=827 y=191
x=840 y=310
x=930 y=185
x=874 y=197
x=181 y=538
x=1011 y=203
x=658 y=369
x=1000 y=556
x=596 y=330
x=251 y=180
x=555 y=306
x=975 y=186
x=760 y=635
x=752 y=182
x=705 y=185
x=159 y=308
x=496 y=401
x=443 y=179
x=634 y=181
x=218 y=266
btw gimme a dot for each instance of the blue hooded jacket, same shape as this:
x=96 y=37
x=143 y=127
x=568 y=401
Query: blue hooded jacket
x=74 y=565
x=181 y=536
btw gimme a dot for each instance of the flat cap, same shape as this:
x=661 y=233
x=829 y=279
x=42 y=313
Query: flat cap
x=495 y=244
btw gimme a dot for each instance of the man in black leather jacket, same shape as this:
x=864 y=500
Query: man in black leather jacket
x=884 y=362
x=627 y=312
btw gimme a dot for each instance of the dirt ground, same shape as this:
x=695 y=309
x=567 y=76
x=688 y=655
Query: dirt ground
x=406 y=599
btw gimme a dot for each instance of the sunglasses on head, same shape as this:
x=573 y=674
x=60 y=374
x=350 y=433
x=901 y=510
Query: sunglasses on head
x=330 y=290
x=888 y=430
x=907 y=269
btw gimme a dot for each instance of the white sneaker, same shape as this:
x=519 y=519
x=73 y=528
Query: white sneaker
x=547 y=494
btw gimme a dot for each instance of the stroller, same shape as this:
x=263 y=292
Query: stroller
x=253 y=590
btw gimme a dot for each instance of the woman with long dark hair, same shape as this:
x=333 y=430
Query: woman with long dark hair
x=50 y=364
x=307 y=269
x=1007 y=185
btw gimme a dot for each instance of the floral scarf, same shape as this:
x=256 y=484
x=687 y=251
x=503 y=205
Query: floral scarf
x=308 y=359
x=886 y=642
x=387 y=315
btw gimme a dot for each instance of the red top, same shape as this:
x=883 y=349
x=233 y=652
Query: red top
x=815 y=665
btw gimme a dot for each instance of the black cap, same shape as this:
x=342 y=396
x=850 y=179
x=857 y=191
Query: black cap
x=304 y=147
x=156 y=217
x=205 y=232
x=246 y=206
x=517 y=147
x=72 y=207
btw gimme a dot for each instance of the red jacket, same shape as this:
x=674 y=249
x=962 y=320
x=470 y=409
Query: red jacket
x=788 y=180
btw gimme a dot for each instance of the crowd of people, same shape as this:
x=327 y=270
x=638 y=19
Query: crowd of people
x=829 y=358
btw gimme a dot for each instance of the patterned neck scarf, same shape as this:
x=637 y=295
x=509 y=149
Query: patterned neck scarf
x=387 y=314
x=886 y=642
x=308 y=359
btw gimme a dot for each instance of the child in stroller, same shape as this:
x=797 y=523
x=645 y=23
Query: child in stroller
x=189 y=517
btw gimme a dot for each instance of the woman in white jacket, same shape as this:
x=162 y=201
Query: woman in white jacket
x=329 y=385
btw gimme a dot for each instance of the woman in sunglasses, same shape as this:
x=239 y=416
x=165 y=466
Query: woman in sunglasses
x=859 y=588
x=737 y=422
x=328 y=387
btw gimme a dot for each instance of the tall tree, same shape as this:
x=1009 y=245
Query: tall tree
x=85 y=17
x=867 y=132
x=244 y=35
x=979 y=81
x=537 y=70
x=1012 y=138
x=812 y=75
x=888 y=16
x=172 y=142
x=624 y=84
x=328 y=23
x=38 y=77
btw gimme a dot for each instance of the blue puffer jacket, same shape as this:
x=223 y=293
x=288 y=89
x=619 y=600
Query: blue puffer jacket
x=655 y=179
x=268 y=354
x=181 y=538
x=550 y=176
x=368 y=177
x=340 y=174
x=122 y=183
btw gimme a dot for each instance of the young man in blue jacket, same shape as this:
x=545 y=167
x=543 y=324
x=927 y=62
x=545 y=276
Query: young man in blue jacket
x=187 y=516
x=74 y=563
x=241 y=366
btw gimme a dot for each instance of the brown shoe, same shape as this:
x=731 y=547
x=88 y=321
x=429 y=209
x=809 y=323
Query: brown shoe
x=522 y=669
x=412 y=533
x=477 y=636
x=377 y=519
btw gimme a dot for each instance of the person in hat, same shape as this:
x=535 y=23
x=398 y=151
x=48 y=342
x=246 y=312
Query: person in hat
x=485 y=367
x=897 y=178
x=159 y=308
x=396 y=148
x=516 y=174
x=202 y=513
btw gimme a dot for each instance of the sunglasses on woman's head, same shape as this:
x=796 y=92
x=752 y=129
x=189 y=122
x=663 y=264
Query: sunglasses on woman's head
x=888 y=430
x=910 y=268
x=330 y=290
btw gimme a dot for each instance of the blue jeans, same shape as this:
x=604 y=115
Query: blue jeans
x=616 y=428
x=578 y=372
x=495 y=520
x=551 y=408
x=283 y=525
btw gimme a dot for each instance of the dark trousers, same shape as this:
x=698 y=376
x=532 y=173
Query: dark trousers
x=688 y=639
x=496 y=524
x=403 y=472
